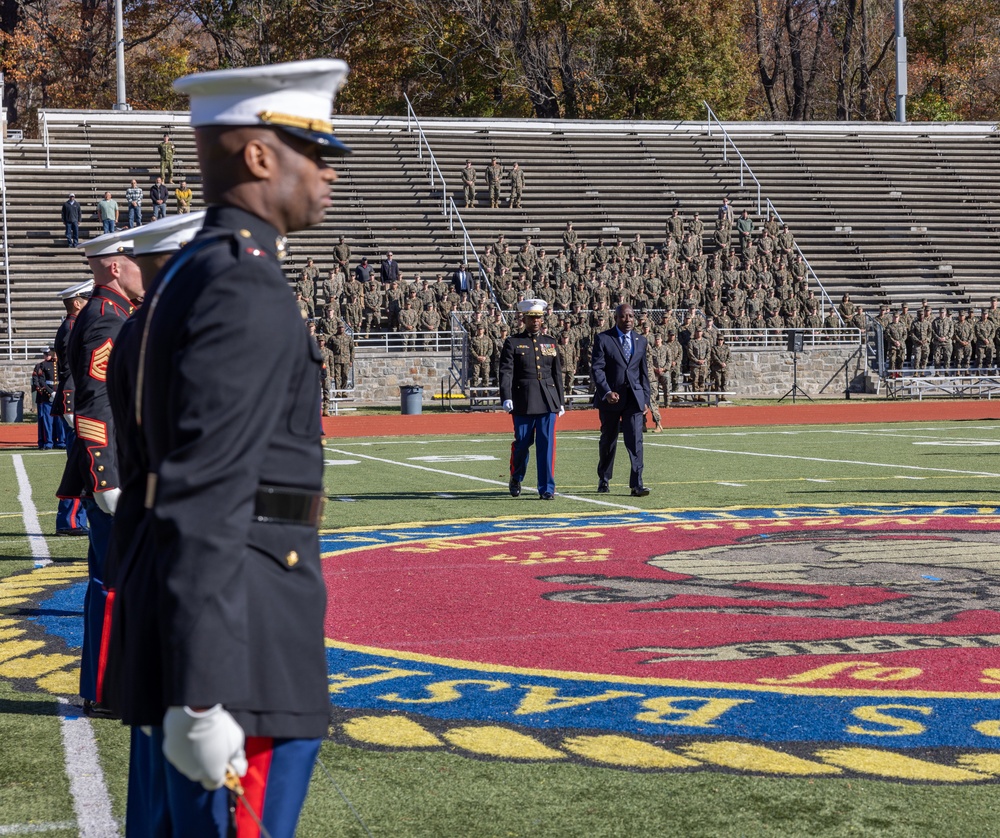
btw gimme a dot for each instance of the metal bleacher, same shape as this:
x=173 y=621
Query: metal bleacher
x=887 y=213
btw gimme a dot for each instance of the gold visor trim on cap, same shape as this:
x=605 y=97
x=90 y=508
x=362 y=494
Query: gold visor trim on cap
x=291 y=121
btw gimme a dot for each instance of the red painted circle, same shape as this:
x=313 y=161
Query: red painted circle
x=899 y=602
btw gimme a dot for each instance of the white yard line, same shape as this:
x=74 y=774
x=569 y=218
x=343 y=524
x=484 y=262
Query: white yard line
x=91 y=802
x=29 y=514
x=481 y=479
x=822 y=460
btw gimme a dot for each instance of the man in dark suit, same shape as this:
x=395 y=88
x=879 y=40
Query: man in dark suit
x=621 y=378
x=389 y=269
x=462 y=279
x=531 y=389
x=71 y=215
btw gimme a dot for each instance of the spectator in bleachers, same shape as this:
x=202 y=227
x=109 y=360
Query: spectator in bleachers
x=942 y=332
x=480 y=352
x=429 y=321
x=133 y=201
x=462 y=278
x=166 y=152
x=469 y=184
x=158 y=194
x=107 y=213
x=724 y=215
x=182 y=196
x=71 y=215
x=516 y=186
x=744 y=228
x=363 y=273
x=388 y=270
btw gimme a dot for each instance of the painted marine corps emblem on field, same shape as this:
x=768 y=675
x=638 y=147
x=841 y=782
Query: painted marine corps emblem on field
x=813 y=641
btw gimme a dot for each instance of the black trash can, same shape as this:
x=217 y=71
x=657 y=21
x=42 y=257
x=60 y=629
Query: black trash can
x=12 y=406
x=411 y=399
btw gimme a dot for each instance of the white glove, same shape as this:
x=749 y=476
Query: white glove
x=201 y=745
x=508 y=405
x=562 y=410
x=107 y=501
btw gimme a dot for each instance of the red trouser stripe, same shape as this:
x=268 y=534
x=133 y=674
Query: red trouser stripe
x=102 y=656
x=552 y=465
x=260 y=751
x=75 y=511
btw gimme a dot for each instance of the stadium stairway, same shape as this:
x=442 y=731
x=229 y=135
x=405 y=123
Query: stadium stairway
x=888 y=215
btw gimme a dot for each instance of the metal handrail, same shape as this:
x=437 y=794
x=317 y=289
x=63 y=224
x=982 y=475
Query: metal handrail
x=826 y=299
x=421 y=142
x=725 y=155
x=3 y=224
x=726 y=139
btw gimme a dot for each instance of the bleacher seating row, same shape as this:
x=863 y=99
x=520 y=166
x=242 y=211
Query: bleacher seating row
x=886 y=215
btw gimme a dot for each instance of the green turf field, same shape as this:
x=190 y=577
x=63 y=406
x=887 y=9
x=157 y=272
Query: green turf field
x=445 y=791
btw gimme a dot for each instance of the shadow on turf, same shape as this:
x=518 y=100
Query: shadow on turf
x=28 y=707
x=404 y=496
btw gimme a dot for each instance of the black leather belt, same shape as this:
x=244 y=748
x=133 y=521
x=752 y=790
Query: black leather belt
x=280 y=505
x=273 y=504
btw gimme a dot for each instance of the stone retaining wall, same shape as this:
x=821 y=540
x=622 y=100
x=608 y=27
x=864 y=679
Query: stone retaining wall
x=379 y=376
x=823 y=373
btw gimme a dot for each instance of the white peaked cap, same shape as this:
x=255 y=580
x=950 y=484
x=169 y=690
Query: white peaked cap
x=296 y=97
x=167 y=234
x=532 y=306
x=81 y=289
x=110 y=244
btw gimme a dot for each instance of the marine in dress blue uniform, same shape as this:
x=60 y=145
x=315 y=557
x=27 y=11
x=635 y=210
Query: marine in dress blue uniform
x=221 y=601
x=152 y=246
x=71 y=517
x=91 y=472
x=531 y=388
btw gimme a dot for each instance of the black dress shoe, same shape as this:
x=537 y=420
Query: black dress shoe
x=603 y=488
x=93 y=710
x=515 y=487
x=547 y=495
x=640 y=492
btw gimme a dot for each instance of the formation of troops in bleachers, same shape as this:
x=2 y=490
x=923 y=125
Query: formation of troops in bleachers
x=690 y=291
x=942 y=342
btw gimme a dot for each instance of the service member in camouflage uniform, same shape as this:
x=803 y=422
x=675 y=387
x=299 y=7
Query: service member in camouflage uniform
x=480 y=353
x=986 y=331
x=698 y=352
x=963 y=337
x=920 y=340
x=408 y=320
x=942 y=332
x=469 y=184
x=494 y=172
x=895 y=342
x=721 y=355
x=516 y=186
x=341 y=347
x=342 y=256
x=656 y=355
